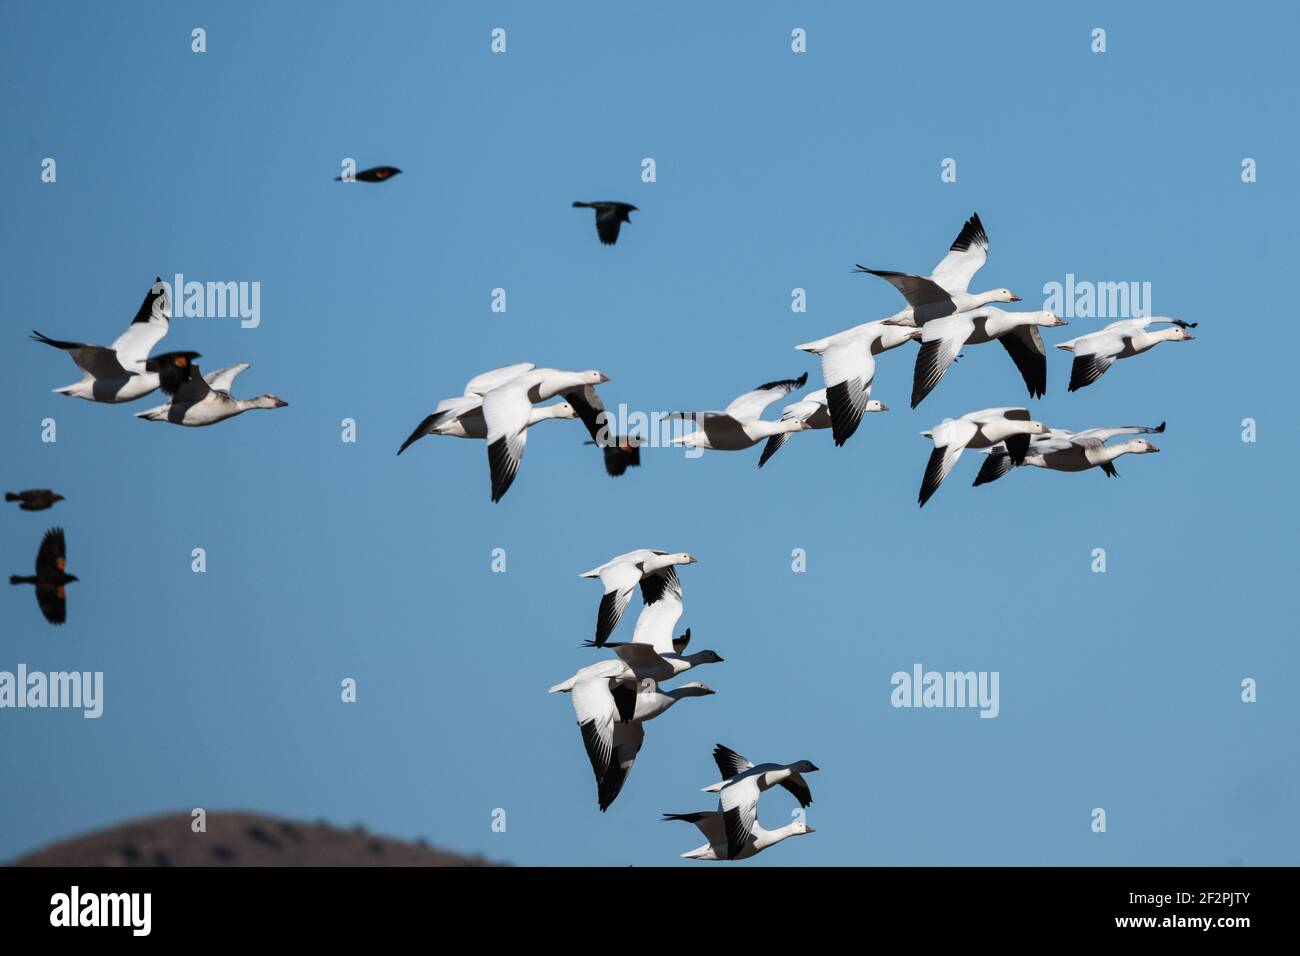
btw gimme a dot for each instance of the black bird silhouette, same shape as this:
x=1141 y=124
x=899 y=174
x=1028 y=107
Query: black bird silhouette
x=174 y=369
x=34 y=499
x=50 y=577
x=621 y=451
x=376 y=174
x=608 y=217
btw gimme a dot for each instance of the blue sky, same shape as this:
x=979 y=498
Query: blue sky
x=775 y=170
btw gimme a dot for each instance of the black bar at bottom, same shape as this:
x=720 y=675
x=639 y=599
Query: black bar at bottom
x=331 y=905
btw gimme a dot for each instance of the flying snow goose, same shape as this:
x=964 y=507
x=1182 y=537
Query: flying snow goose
x=734 y=832
x=1059 y=450
x=982 y=429
x=942 y=339
x=462 y=417
x=659 y=616
x=446 y=417
x=814 y=411
x=610 y=717
x=711 y=823
x=609 y=215
x=507 y=408
x=849 y=366
x=637 y=662
x=740 y=425
x=50 y=577
x=945 y=291
x=117 y=373
x=653 y=570
x=34 y=499
x=201 y=400
x=1098 y=351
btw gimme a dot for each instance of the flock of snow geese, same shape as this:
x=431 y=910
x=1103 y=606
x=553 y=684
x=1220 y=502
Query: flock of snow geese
x=124 y=371
x=614 y=698
x=942 y=316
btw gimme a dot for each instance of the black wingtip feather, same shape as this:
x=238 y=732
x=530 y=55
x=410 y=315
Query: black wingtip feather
x=972 y=233
x=994 y=467
x=502 y=468
x=844 y=417
x=933 y=477
x=1017 y=448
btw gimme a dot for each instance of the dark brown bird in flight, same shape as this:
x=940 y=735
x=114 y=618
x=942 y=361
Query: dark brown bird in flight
x=50 y=577
x=608 y=217
x=34 y=499
x=376 y=174
x=174 y=369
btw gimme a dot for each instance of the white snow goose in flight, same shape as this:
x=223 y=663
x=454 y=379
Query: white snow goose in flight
x=1059 y=450
x=609 y=216
x=849 y=366
x=507 y=408
x=611 y=716
x=637 y=662
x=462 y=417
x=117 y=373
x=813 y=410
x=942 y=339
x=983 y=429
x=653 y=570
x=733 y=830
x=1098 y=351
x=946 y=290
x=740 y=425
x=658 y=619
x=199 y=400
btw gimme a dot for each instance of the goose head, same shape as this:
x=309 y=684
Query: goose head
x=267 y=401
x=1179 y=334
x=1003 y=295
x=695 y=689
x=592 y=377
x=704 y=657
x=1140 y=446
x=799 y=828
x=803 y=766
x=1036 y=428
x=681 y=557
x=1049 y=320
x=561 y=410
x=876 y=405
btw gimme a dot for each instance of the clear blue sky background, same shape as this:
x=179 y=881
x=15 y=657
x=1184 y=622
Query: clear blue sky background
x=329 y=560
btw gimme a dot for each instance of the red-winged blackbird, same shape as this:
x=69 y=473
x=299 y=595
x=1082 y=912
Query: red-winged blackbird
x=35 y=499
x=50 y=577
x=608 y=217
x=376 y=174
